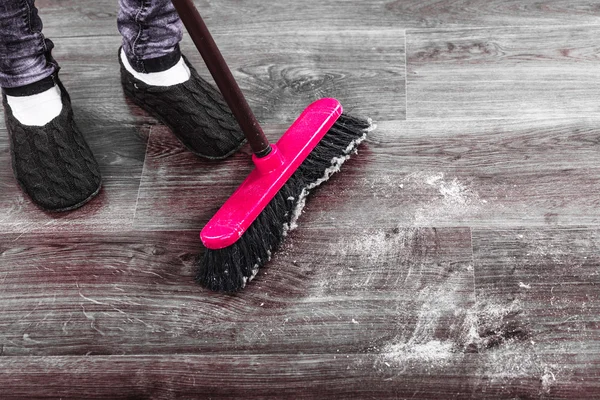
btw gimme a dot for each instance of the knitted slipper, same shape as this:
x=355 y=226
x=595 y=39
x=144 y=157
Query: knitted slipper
x=53 y=163
x=194 y=111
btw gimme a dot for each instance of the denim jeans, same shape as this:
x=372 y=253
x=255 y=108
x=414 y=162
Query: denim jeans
x=151 y=31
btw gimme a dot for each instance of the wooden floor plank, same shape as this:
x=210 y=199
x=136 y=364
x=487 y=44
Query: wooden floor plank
x=494 y=13
x=280 y=76
x=134 y=293
x=409 y=173
x=538 y=306
x=249 y=377
x=232 y=376
x=530 y=72
x=98 y=18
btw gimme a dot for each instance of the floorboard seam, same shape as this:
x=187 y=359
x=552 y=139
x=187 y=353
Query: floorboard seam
x=137 y=199
x=484 y=27
x=471 y=81
x=476 y=119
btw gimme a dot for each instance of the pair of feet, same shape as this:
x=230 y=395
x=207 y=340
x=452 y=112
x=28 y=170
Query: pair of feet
x=54 y=165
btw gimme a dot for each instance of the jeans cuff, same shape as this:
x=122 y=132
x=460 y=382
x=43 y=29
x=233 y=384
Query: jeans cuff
x=157 y=64
x=32 y=88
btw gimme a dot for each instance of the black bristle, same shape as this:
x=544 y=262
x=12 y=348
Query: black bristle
x=229 y=269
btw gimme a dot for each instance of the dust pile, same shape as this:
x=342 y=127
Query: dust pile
x=450 y=200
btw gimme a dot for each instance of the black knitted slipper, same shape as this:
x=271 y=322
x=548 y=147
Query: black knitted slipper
x=194 y=111
x=53 y=163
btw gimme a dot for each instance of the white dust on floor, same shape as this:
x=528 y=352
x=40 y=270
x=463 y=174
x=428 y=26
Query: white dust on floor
x=374 y=244
x=476 y=332
x=453 y=201
x=432 y=351
x=428 y=198
x=447 y=331
x=371 y=247
x=443 y=306
x=448 y=327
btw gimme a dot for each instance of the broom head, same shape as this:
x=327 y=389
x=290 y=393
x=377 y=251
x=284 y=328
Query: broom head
x=254 y=220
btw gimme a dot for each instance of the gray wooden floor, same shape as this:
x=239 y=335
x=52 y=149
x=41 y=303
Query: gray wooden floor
x=456 y=256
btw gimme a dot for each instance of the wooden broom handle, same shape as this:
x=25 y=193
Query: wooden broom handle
x=222 y=75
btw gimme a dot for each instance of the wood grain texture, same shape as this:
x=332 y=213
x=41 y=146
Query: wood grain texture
x=68 y=18
x=346 y=376
x=195 y=188
x=280 y=75
x=134 y=293
x=489 y=73
x=540 y=288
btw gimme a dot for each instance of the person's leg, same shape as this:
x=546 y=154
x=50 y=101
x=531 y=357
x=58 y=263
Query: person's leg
x=26 y=66
x=51 y=160
x=151 y=31
x=25 y=53
x=160 y=80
